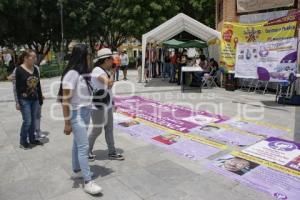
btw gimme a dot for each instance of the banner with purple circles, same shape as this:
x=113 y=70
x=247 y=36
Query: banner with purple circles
x=276 y=150
x=280 y=185
x=274 y=61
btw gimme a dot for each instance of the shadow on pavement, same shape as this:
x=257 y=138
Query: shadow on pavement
x=103 y=154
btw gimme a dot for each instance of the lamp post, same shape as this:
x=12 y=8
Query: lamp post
x=62 y=31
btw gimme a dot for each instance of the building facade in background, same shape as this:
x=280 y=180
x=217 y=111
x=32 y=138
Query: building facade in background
x=133 y=46
x=251 y=11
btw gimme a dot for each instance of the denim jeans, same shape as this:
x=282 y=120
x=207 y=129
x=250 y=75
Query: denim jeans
x=117 y=73
x=29 y=110
x=38 y=120
x=166 y=70
x=80 y=120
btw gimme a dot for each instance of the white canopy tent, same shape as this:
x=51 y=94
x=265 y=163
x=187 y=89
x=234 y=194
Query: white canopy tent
x=173 y=27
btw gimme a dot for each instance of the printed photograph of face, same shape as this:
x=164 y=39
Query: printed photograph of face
x=167 y=139
x=129 y=123
x=239 y=123
x=200 y=120
x=295 y=163
x=209 y=128
x=236 y=165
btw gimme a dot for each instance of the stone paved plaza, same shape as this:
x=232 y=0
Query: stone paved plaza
x=149 y=172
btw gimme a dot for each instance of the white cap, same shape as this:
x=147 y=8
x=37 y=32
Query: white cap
x=103 y=53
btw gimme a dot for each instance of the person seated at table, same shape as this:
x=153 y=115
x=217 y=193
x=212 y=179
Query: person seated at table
x=213 y=70
x=213 y=67
x=197 y=62
x=182 y=62
x=197 y=76
x=203 y=63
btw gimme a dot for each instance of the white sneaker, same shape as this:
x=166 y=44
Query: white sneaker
x=92 y=188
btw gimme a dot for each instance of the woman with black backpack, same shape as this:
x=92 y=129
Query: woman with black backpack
x=102 y=114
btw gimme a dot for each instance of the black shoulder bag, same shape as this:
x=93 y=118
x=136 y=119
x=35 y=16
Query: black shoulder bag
x=101 y=96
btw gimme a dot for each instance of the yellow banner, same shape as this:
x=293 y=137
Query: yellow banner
x=234 y=33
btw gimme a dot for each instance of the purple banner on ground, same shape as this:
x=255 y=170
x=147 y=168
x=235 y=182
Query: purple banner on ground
x=173 y=143
x=171 y=116
x=256 y=129
x=194 y=150
x=276 y=150
x=280 y=185
x=135 y=128
x=228 y=137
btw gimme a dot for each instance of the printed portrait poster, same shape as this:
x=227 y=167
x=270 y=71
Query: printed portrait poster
x=225 y=136
x=234 y=33
x=259 y=129
x=279 y=185
x=136 y=129
x=200 y=120
x=167 y=139
x=128 y=123
x=276 y=150
x=277 y=59
x=119 y=118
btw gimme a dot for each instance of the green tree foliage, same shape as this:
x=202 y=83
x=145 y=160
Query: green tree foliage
x=108 y=21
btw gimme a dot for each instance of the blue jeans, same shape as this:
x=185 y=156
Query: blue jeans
x=29 y=110
x=80 y=120
x=166 y=70
x=38 y=120
x=117 y=73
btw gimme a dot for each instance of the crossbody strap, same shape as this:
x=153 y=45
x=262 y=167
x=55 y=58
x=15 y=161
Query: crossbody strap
x=89 y=84
x=105 y=72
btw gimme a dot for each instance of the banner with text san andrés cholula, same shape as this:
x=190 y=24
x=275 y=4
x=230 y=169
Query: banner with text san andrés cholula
x=233 y=33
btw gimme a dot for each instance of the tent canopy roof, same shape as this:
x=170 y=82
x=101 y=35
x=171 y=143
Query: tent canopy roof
x=178 y=24
x=194 y=44
x=173 y=43
x=173 y=27
x=189 y=44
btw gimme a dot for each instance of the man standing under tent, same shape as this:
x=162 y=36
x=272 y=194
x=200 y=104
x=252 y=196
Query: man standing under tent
x=154 y=60
x=182 y=62
x=173 y=66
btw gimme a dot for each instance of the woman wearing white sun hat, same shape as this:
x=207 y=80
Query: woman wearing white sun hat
x=102 y=114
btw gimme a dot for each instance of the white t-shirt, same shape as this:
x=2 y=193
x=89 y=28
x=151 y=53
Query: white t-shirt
x=7 y=58
x=81 y=95
x=97 y=84
x=124 y=59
